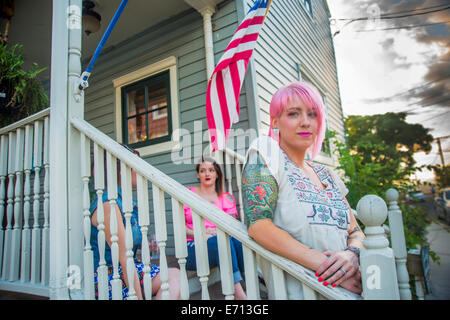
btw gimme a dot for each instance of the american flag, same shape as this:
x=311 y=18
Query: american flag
x=224 y=86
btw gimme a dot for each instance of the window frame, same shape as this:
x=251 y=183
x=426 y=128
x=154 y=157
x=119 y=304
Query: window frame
x=168 y=64
x=145 y=83
x=307 y=4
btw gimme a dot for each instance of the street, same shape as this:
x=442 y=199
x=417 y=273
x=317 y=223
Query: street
x=439 y=238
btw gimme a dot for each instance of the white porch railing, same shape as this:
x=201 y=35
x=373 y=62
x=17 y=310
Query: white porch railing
x=24 y=213
x=24 y=205
x=227 y=226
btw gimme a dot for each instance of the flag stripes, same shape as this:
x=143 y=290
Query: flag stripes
x=224 y=86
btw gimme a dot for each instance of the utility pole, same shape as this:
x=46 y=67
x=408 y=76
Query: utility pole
x=441 y=154
x=440 y=151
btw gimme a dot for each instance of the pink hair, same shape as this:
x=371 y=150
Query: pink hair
x=309 y=96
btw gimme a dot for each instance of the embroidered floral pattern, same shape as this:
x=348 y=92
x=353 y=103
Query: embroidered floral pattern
x=327 y=206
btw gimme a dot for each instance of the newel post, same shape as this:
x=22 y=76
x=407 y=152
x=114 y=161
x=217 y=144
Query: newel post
x=377 y=263
x=398 y=243
x=66 y=234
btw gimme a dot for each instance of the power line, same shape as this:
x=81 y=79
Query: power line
x=405 y=27
x=389 y=15
x=419 y=9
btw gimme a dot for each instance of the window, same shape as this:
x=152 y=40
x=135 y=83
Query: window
x=146 y=108
x=146 y=111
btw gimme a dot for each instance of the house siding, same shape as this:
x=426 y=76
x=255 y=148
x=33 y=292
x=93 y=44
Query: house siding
x=182 y=37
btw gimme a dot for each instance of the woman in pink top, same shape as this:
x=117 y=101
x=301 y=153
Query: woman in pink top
x=210 y=177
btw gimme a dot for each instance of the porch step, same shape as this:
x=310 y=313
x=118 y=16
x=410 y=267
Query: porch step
x=214 y=284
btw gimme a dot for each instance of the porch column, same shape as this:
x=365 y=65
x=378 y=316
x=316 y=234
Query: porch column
x=75 y=108
x=206 y=9
x=66 y=242
x=58 y=155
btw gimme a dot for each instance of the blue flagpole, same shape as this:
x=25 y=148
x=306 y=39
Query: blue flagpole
x=85 y=75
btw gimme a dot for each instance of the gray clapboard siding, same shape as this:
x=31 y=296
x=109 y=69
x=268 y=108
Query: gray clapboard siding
x=182 y=37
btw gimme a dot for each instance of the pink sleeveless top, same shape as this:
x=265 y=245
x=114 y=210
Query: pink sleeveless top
x=225 y=202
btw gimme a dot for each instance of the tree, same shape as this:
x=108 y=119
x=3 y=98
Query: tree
x=379 y=156
x=442 y=175
x=388 y=140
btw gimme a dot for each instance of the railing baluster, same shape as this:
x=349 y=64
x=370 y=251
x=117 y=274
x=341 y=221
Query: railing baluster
x=26 y=233
x=239 y=186
x=308 y=293
x=127 y=206
x=279 y=283
x=17 y=232
x=88 y=258
x=36 y=232
x=10 y=206
x=3 y=173
x=226 y=269
x=201 y=253
x=179 y=230
x=161 y=236
x=251 y=274
x=99 y=185
x=116 y=283
x=144 y=222
x=45 y=256
x=228 y=172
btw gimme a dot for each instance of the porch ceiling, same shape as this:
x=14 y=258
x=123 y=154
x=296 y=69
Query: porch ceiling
x=32 y=22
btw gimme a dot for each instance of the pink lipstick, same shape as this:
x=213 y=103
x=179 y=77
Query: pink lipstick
x=305 y=134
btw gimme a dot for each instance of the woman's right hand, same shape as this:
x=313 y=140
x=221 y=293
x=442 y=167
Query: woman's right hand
x=353 y=284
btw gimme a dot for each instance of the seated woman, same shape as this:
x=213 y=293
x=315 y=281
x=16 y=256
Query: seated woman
x=174 y=276
x=297 y=208
x=210 y=176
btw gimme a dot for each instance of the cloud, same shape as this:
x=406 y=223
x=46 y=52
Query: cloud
x=436 y=91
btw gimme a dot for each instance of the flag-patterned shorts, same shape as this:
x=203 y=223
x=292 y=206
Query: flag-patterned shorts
x=154 y=270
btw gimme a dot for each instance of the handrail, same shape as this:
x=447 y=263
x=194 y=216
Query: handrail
x=234 y=154
x=206 y=210
x=23 y=122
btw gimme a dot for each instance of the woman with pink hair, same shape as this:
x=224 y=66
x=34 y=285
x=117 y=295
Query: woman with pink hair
x=297 y=208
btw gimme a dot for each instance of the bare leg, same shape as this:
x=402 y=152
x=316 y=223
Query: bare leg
x=174 y=285
x=239 y=293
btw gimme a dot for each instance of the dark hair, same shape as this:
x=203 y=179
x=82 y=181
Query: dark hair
x=219 y=180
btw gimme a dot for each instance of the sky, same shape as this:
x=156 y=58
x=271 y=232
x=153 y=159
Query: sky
x=396 y=64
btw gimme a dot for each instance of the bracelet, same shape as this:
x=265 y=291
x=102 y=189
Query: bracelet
x=353 y=249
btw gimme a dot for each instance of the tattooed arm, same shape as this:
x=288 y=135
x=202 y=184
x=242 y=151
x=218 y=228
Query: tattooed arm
x=355 y=235
x=260 y=193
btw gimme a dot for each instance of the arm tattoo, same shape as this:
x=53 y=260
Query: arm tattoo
x=260 y=190
x=355 y=229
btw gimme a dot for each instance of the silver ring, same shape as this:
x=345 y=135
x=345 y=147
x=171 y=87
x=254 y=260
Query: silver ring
x=343 y=271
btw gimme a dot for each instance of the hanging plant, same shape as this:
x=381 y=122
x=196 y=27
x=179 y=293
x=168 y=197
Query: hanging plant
x=21 y=94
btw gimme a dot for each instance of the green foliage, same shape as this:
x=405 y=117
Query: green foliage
x=24 y=93
x=389 y=141
x=379 y=156
x=442 y=174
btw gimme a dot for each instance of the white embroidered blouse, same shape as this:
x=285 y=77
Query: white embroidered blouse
x=317 y=218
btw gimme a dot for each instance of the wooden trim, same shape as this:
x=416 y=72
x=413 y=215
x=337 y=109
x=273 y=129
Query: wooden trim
x=170 y=64
x=24 y=122
x=28 y=288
